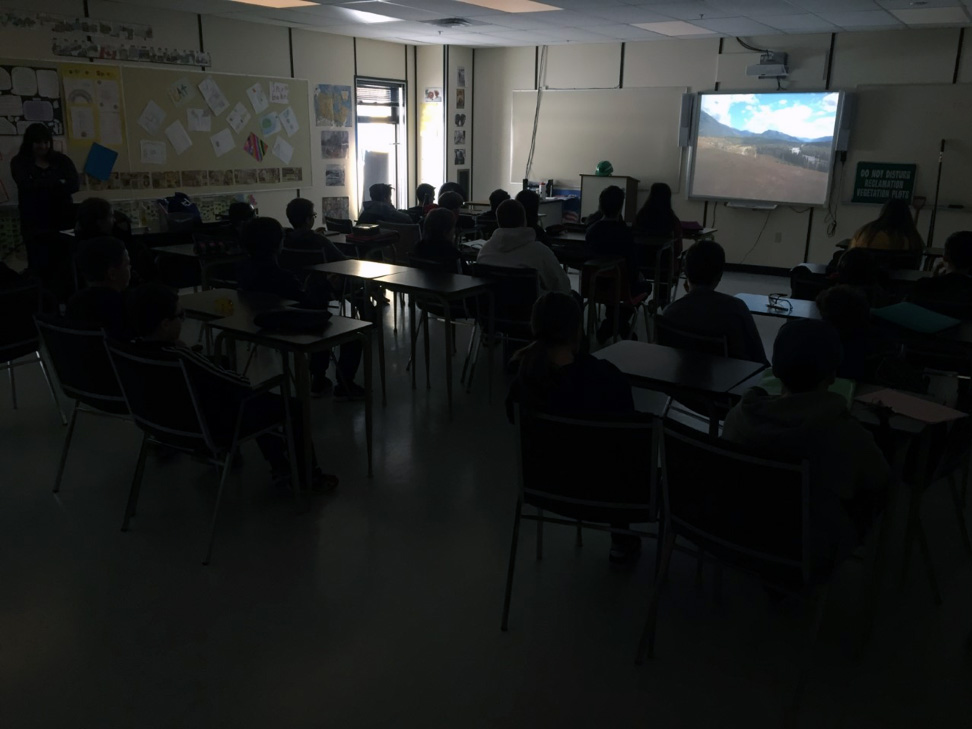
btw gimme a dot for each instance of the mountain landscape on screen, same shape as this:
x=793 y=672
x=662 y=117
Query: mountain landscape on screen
x=765 y=147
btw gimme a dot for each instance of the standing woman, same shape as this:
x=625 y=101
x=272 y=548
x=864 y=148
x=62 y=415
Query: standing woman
x=45 y=180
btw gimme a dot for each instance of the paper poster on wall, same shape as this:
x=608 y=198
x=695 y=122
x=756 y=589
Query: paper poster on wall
x=460 y=120
x=100 y=161
x=247 y=176
x=109 y=95
x=461 y=77
x=181 y=91
x=213 y=95
x=151 y=118
x=433 y=95
x=195 y=178
x=334 y=145
x=336 y=207
x=268 y=175
x=269 y=124
x=460 y=98
x=288 y=120
x=19 y=109
x=83 y=123
x=238 y=118
x=459 y=136
x=279 y=92
x=282 y=150
x=222 y=142
x=178 y=137
x=332 y=105
x=153 y=153
x=220 y=178
x=334 y=176
x=111 y=128
x=199 y=120
x=291 y=174
x=255 y=147
x=93 y=102
x=258 y=99
x=459 y=156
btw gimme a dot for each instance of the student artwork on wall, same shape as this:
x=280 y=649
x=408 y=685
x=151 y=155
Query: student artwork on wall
x=336 y=207
x=69 y=24
x=30 y=94
x=334 y=175
x=334 y=145
x=92 y=97
x=433 y=95
x=181 y=91
x=460 y=120
x=108 y=51
x=291 y=174
x=459 y=157
x=332 y=105
x=459 y=136
x=279 y=92
x=460 y=98
x=461 y=77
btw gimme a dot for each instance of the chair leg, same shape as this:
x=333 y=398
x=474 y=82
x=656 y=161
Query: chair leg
x=136 y=483
x=504 y=623
x=959 y=511
x=50 y=386
x=425 y=325
x=469 y=349
x=394 y=313
x=811 y=643
x=64 y=450
x=539 y=534
x=475 y=358
x=580 y=533
x=646 y=646
x=13 y=386
x=219 y=498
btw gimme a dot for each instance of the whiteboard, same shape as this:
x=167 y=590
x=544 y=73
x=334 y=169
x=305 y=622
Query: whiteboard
x=636 y=129
x=906 y=124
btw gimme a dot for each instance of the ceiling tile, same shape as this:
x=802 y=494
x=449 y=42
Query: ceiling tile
x=626 y=32
x=734 y=26
x=932 y=16
x=802 y=23
x=629 y=14
x=863 y=19
x=689 y=10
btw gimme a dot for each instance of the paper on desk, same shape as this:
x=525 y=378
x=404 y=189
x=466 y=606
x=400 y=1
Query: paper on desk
x=178 y=137
x=916 y=408
x=916 y=318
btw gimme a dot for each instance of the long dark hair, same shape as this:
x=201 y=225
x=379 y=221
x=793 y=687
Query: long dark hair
x=36 y=132
x=554 y=322
x=895 y=217
x=657 y=211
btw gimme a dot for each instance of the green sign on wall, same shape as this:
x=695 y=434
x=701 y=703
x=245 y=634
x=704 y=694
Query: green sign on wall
x=878 y=182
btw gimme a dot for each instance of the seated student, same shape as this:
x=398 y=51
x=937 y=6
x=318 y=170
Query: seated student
x=439 y=242
x=158 y=320
x=858 y=268
x=301 y=216
x=424 y=202
x=705 y=311
x=96 y=218
x=514 y=245
x=262 y=238
x=106 y=267
x=531 y=205
x=453 y=187
x=380 y=209
x=451 y=201
x=489 y=217
x=950 y=291
x=894 y=230
x=611 y=236
x=553 y=376
x=847 y=470
x=656 y=217
x=864 y=346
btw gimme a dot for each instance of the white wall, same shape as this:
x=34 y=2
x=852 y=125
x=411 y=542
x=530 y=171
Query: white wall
x=778 y=238
x=459 y=58
x=430 y=134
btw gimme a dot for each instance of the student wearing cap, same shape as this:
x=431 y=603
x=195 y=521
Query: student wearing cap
x=848 y=472
x=380 y=209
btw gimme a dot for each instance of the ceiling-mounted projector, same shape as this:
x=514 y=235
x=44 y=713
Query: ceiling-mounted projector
x=771 y=65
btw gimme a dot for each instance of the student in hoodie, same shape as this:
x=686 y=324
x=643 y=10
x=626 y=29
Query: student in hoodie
x=848 y=473
x=703 y=310
x=514 y=245
x=380 y=209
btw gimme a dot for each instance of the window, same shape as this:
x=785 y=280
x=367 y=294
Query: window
x=382 y=138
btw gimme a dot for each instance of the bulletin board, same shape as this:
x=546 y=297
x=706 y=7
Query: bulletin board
x=636 y=129
x=905 y=124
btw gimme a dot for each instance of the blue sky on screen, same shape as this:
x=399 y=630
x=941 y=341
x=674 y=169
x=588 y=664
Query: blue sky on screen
x=804 y=115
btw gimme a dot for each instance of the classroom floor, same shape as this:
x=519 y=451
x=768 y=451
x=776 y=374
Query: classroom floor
x=381 y=606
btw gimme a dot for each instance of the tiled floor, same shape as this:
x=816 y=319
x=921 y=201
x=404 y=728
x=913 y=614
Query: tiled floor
x=381 y=606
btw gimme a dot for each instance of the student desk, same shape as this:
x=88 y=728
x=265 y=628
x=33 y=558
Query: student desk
x=206 y=263
x=444 y=288
x=362 y=248
x=366 y=271
x=339 y=330
x=800 y=309
x=202 y=305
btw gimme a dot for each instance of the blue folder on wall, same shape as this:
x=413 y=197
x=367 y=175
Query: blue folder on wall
x=100 y=162
x=916 y=318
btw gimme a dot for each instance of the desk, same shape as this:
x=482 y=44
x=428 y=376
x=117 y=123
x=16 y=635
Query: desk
x=366 y=271
x=700 y=234
x=339 y=330
x=202 y=305
x=445 y=288
x=759 y=304
x=188 y=250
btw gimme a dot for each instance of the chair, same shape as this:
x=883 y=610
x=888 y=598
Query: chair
x=164 y=404
x=749 y=512
x=19 y=338
x=79 y=358
x=897 y=260
x=338 y=225
x=299 y=260
x=806 y=284
x=606 y=281
x=670 y=335
x=515 y=291
x=658 y=258
x=50 y=258
x=409 y=235
x=563 y=471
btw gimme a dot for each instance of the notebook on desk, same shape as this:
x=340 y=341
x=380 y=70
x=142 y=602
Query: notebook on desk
x=841 y=386
x=916 y=318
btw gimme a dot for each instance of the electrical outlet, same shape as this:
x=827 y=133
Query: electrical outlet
x=778 y=238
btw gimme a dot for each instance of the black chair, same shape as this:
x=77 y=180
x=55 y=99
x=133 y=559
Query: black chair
x=606 y=281
x=79 y=358
x=19 y=342
x=338 y=225
x=50 y=259
x=658 y=258
x=749 y=512
x=299 y=260
x=563 y=471
x=671 y=335
x=409 y=235
x=164 y=403
x=806 y=284
x=515 y=291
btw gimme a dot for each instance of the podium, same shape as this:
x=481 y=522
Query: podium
x=591 y=186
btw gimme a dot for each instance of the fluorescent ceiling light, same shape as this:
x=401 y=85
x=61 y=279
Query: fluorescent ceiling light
x=512 y=6
x=674 y=27
x=931 y=16
x=363 y=16
x=276 y=3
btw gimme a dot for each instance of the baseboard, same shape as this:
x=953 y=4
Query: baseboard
x=762 y=270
